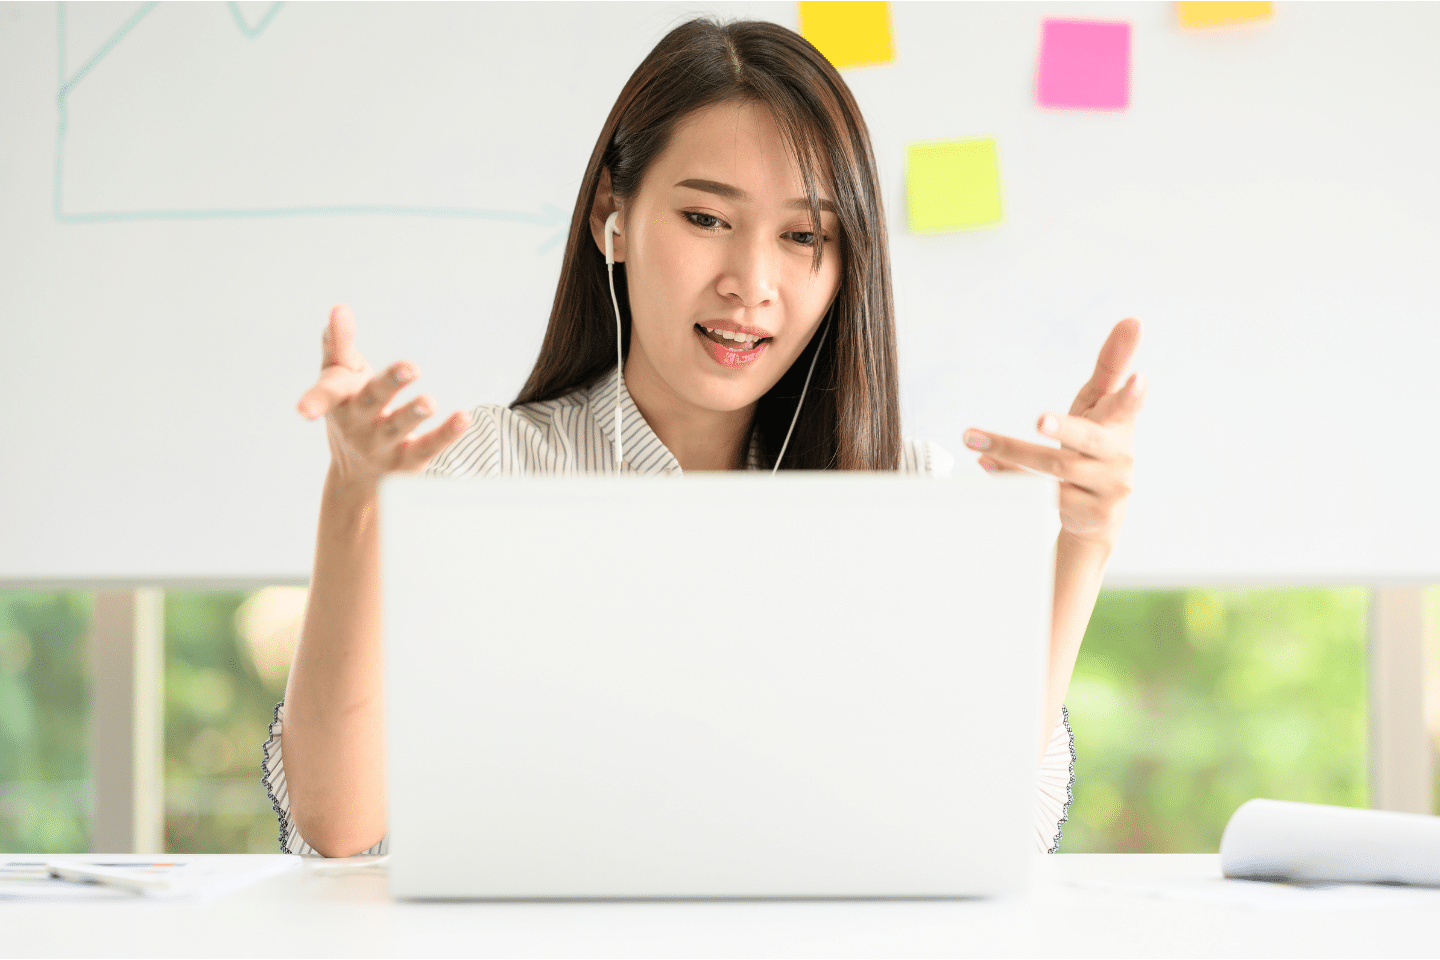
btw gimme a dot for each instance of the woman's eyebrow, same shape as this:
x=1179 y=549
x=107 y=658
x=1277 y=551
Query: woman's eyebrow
x=740 y=196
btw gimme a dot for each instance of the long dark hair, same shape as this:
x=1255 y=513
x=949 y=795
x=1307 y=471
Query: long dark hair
x=851 y=415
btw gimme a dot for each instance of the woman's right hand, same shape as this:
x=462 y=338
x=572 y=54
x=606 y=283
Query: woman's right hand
x=366 y=442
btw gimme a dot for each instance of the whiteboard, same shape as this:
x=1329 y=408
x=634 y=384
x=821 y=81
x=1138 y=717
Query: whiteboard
x=223 y=174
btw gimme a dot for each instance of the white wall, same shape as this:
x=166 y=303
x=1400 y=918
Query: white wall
x=1268 y=206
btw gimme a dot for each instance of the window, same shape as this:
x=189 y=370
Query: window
x=226 y=659
x=1432 y=689
x=1185 y=704
x=45 y=796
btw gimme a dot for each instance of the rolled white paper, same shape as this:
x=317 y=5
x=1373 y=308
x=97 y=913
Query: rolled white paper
x=1283 y=840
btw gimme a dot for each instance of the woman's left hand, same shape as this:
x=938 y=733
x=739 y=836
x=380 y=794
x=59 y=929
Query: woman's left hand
x=1096 y=457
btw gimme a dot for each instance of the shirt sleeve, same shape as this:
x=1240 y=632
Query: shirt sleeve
x=478 y=452
x=1055 y=782
x=272 y=774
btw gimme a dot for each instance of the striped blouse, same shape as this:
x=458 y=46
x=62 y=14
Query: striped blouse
x=575 y=434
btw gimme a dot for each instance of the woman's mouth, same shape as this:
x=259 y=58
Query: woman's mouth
x=730 y=348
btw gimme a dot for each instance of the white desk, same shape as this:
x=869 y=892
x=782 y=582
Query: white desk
x=307 y=914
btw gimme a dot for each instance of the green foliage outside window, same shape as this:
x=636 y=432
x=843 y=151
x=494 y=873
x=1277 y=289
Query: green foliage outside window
x=221 y=686
x=1184 y=704
x=45 y=794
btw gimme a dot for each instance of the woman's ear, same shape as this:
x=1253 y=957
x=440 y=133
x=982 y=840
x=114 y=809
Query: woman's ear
x=606 y=204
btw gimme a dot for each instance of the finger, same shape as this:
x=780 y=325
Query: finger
x=338 y=340
x=1121 y=406
x=1088 y=477
x=381 y=388
x=1081 y=434
x=1104 y=478
x=426 y=447
x=406 y=418
x=991 y=465
x=1110 y=366
x=335 y=386
x=1043 y=459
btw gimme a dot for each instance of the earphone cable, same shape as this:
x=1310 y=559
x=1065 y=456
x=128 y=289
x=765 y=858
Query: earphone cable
x=619 y=367
x=808 y=374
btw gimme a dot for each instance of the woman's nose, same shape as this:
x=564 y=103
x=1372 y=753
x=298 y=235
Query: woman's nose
x=749 y=278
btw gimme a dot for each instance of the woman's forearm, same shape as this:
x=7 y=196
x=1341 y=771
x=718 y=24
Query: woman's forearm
x=1079 y=571
x=333 y=739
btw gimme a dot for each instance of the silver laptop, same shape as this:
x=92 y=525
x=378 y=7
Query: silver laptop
x=811 y=685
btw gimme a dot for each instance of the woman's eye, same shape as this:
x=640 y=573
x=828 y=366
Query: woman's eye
x=806 y=238
x=706 y=221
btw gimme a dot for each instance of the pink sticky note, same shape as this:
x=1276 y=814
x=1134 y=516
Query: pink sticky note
x=1085 y=64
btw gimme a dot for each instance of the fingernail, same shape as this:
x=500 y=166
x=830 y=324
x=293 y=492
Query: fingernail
x=990 y=466
x=423 y=409
x=1049 y=424
x=404 y=375
x=976 y=440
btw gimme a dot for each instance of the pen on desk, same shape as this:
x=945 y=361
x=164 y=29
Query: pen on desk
x=108 y=876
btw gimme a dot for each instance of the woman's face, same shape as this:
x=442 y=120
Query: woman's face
x=719 y=241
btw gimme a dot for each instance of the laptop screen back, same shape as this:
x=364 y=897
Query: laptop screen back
x=810 y=685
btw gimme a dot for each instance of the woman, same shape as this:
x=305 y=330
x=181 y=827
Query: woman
x=750 y=258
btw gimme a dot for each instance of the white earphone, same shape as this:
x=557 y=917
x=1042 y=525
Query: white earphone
x=611 y=228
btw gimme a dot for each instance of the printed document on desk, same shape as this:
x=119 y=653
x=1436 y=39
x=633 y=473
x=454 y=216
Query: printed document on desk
x=195 y=878
x=1270 y=895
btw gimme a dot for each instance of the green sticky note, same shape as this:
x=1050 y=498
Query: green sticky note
x=952 y=185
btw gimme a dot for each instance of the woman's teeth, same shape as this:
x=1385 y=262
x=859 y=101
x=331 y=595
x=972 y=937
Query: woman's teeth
x=742 y=341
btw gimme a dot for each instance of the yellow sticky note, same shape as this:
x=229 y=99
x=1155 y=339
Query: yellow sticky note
x=851 y=33
x=952 y=185
x=1219 y=13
